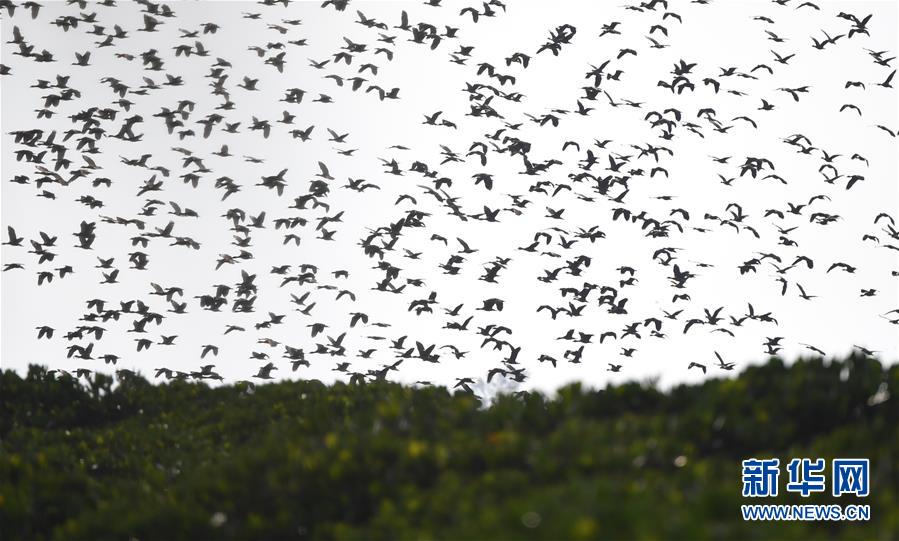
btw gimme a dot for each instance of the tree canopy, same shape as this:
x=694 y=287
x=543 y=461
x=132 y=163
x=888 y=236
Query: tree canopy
x=304 y=460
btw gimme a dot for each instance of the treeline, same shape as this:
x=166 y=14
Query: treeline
x=304 y=460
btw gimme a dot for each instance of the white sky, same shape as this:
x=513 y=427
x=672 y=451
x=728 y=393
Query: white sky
x=714 y=36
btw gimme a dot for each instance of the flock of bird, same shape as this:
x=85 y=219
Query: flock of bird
x=147 y=152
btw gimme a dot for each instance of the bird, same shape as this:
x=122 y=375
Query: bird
x=12 y=239
x=697 y=365
x=721 y=364
x=265 y=371
x=813 y=348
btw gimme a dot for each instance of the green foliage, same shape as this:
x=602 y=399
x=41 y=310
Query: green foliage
x=302 y=460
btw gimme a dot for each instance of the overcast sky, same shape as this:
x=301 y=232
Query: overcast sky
x=715 y=37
